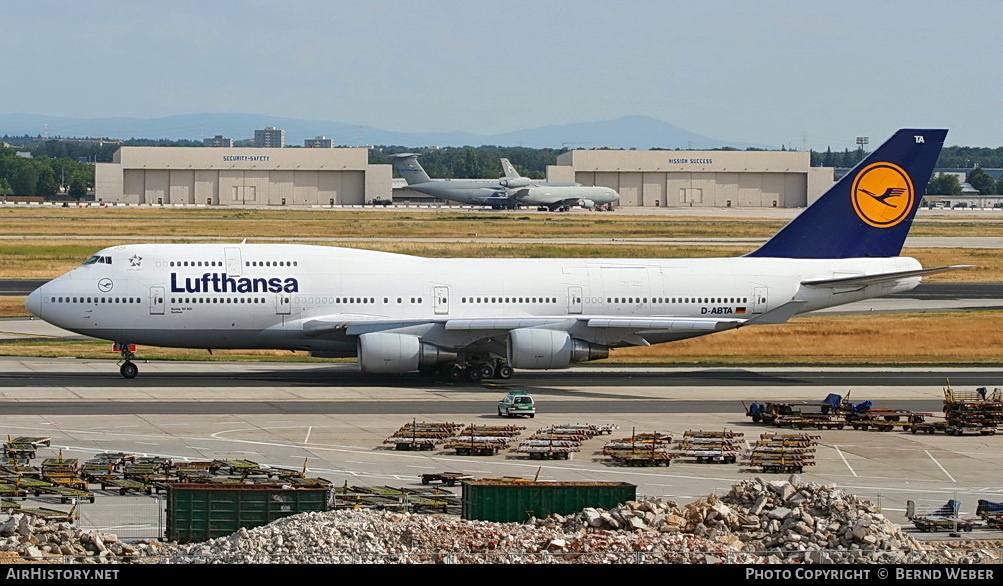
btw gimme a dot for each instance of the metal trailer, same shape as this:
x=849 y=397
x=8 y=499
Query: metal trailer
x=24 y=446
x=586 y=429
x=477 y=445
x=548 y=449
x=405 y=444
x=51 y=515
x=641 y=456
x=944 y=426
x=493 y=430
x=780 y=463
x=36 y=441
x=783 y=453
x=886 y=419
x=639 y=441
x=10 y=489
x=426 y=500
x=125 y=486
x=932 y=524
x=811 y=420
x=422 y=436
x=447 y=478
x=710 y=447
x=64 y=493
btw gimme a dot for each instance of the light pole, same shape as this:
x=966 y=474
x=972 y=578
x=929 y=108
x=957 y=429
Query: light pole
x=861 y=143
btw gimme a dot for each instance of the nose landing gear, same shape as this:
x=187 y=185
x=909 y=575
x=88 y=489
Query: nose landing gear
x=125 y=365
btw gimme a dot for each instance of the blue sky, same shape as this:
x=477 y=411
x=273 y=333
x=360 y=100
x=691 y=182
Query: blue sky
x=805 y=74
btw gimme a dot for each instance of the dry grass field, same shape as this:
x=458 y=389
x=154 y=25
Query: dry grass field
x=43 y=243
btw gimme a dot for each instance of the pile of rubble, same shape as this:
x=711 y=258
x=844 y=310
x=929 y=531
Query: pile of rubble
x=784 y=521
x=758 y=521
x=37 y=539
x=367 y=536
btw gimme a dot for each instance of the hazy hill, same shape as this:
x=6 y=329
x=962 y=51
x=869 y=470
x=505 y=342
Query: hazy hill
x=640 y=132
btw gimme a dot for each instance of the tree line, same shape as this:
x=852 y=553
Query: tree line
x=64 y=166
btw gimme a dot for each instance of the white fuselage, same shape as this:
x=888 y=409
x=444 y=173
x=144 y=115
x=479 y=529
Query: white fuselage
x=278 y=296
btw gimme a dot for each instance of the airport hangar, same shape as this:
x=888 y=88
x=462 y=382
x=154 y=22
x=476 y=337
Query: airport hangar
x=343 y=176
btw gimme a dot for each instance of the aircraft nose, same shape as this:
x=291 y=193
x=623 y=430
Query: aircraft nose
x=34 y=302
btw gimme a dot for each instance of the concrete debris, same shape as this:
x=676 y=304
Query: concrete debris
x=37 y=539
x=784 y=521
x=758 y=521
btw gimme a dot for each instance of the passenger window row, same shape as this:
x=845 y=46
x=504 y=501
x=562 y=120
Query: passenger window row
x=508 y=300
x=196 y=263
x=677 y=300
x=271 y=263
x=349 y=300
x=219 y=263
x=95 y=300
x=206 y=300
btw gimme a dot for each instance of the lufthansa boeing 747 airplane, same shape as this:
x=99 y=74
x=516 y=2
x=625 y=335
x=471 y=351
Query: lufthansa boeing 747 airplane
x=481 y=318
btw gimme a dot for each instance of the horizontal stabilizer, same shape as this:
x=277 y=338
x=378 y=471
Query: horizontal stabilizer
x=878 y=278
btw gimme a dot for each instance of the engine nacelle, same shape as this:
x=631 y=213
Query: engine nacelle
x=516 y=182
x=587 y=203
x=385 y=352
x=542 y=349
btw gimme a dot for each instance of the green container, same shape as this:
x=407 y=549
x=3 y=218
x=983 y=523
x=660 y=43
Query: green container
x=199 y=512
x=516 y=501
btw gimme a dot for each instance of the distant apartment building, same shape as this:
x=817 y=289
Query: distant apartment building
x=321 y=142
x=218 y=141
x=270 y=138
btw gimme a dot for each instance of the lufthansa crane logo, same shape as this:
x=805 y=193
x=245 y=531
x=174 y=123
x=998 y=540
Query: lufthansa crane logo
x=105 y=285
x=882 y=195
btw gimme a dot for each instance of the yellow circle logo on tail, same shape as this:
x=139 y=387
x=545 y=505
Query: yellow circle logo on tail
x=882 y=195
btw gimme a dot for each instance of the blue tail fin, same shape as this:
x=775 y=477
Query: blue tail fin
x=870 y=210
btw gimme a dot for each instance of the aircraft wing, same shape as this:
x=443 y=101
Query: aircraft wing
x=494 y=197
x=602 y=329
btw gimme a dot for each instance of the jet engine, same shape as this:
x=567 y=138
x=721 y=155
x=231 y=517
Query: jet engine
x=385 y=352
x=542 y=349
x=515 y=182
x=587 y=203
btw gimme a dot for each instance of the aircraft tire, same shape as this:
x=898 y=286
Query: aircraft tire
x=487 y=371
x=474 y=374
x=129 y=370
x=455 y=374
x=505 y=372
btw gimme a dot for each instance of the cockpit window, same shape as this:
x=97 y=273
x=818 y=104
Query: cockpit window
x=98 y=259
x=91 y=260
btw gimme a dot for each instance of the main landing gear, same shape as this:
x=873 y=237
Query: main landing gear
x=125 y=365
x=473 y=371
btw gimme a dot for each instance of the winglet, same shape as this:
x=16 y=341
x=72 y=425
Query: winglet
x=869 y=211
